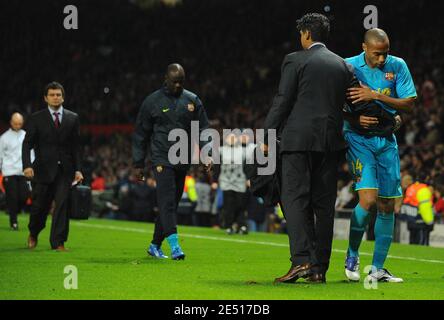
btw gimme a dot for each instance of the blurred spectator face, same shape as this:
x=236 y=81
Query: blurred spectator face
x=439 y=149
x=16 y=122
x=376 y=52
x=406 y=181
x=54 y=98
x=231 y=139
x=415 y=161
x=244 y=139
x=439 y=185
x=428 y=92
x=174 y=81
x=122 y=173
x=151 y=182
x=432 y=189
x=124 y=189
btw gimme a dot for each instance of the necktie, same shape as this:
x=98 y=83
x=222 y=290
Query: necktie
x=57 y=120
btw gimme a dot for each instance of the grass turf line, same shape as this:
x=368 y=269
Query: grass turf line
x=112 y=264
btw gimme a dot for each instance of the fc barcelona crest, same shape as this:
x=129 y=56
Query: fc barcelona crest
x=190 y=107
x=389 y=76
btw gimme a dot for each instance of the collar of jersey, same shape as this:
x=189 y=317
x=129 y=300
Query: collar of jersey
x=363 y=63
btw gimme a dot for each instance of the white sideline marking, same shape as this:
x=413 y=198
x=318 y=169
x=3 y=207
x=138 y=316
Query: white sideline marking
x=186 y=235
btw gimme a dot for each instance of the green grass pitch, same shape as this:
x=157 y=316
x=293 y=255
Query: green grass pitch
x=112 y=263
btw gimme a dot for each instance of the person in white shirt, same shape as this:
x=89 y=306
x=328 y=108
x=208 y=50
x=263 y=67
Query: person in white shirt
x=16 y=187
x=233 y=182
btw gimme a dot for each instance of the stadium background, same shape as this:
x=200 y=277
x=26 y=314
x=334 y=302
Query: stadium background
x=231 y=51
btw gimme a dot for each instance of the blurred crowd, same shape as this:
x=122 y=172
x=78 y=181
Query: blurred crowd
x=118 y=194
x=231 y=51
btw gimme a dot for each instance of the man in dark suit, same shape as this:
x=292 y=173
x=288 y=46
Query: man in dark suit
x=311 y=95
x=53 y=133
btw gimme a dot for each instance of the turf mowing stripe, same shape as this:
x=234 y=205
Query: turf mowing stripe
x=100 y=226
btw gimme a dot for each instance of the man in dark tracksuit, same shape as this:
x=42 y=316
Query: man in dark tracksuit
x=171 y=107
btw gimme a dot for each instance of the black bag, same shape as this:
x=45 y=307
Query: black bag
x=81 y=200
x=387 y=123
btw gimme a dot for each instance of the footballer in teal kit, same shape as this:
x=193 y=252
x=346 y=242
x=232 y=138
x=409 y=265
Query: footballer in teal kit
x=373 y=158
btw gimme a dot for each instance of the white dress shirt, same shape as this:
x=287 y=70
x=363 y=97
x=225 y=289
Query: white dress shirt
x=316 y=44
x=60 y=111
x=11 y=152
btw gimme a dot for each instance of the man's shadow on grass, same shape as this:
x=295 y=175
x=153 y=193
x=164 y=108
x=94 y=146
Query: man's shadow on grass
x=128 y=261
x=270 y=284
x=20 y=249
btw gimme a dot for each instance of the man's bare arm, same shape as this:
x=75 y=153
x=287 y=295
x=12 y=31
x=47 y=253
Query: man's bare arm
x=399 y=104
x=366 y=94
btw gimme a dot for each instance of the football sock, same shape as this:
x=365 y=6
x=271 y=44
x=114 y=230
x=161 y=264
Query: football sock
x=383 y=238
x=173 y=241
x=358 y=223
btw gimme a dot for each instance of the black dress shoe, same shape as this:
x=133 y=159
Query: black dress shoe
x=316 y=278
x=32 y=242
x=61 y=248
x=296 y=272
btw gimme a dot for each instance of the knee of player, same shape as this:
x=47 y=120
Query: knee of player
x=368 y=203
x=386 y=205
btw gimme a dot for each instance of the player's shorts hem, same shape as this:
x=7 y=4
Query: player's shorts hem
x=379 y=196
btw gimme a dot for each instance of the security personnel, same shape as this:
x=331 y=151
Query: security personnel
x=188 y=203
x=171 y=107
x=417 y=209
x=190 y=188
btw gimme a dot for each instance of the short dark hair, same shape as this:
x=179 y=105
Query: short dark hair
x=375 y=34
x=54 y=85
x=317 y=24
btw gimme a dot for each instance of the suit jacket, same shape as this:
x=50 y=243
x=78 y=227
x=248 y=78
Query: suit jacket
x=311 y=96
x=53 y=147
